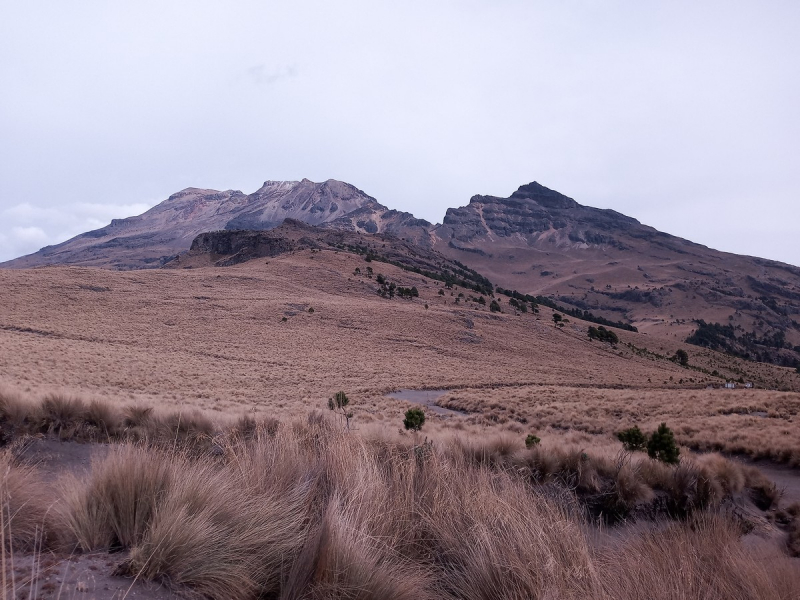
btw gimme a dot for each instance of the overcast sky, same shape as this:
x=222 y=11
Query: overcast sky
x=685 y=115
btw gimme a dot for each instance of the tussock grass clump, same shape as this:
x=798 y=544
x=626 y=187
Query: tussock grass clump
x=61 y=415
x=308 y=510
x=492 y=537
x=213 y=532
x=703 y=559
x=26 y=516
x=113 y=507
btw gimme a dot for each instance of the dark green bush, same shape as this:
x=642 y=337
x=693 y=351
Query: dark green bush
x=494 y=306
x=531 y=441
x=682 y=357
x=603 y=334
x=662 y=446
x=414 y=420
x=633 y=439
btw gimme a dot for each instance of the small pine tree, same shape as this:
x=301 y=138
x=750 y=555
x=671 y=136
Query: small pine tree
x=633 y=439
x=662 y=446
x=557 y=318
x=414 y=420
x=494 y=306
x=531 y=441
x=338 y=404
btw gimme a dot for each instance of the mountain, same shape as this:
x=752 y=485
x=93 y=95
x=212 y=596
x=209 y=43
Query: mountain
x=540 y=242
x=537 y=241
x=156 y=236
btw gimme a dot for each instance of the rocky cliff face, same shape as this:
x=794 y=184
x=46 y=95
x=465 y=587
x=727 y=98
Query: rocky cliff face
x=537 y=213
x=229 y=247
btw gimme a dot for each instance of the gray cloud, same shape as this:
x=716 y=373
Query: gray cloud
x=261 y=75
x=681 y=114
x=27 y=227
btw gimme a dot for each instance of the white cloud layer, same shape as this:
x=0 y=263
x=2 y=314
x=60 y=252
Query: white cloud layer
x=27 y=228
x=682 y=114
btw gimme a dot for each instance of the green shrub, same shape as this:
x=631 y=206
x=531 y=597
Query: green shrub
x=662 y=446
x=494 y=306
x=681 y=357
x=633 y=439
x=557 y=318
x=415 y=419
x=603 y=334
x=531 y=441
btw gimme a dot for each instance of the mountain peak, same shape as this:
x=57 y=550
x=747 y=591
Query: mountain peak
x=544 y=196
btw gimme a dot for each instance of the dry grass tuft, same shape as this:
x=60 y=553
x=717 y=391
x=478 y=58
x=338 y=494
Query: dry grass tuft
x=113 y=507
x=308 y=510
x=26 y=516
x=704 y=559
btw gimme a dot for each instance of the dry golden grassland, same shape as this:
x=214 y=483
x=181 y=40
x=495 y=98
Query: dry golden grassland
x=756 y=422
x=215 y=339
x=305 y=509
x=217 y=475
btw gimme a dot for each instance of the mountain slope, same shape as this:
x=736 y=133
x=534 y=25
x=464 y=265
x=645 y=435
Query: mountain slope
x=540 y=242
